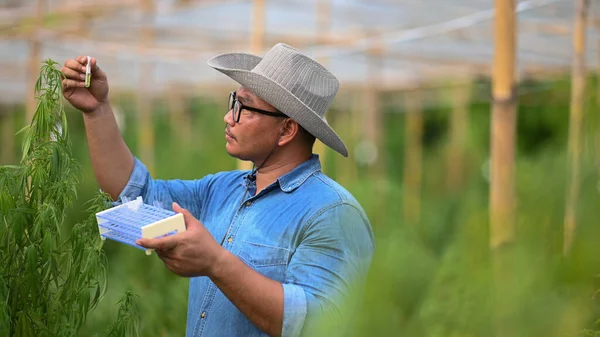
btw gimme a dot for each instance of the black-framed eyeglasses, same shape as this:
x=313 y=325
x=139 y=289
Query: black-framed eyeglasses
x=236 y=107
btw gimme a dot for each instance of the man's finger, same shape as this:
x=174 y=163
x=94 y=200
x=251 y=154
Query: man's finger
x=81 y=59
x=75 y=65
x=164 y=243
x=97 y=73
x=73 y=84
x=190 y=220
x=72 y=74
x=170 y=263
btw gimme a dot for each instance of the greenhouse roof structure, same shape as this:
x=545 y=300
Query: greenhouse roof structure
x=390 y=44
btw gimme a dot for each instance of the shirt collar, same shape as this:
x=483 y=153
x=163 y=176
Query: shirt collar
x=293 y=179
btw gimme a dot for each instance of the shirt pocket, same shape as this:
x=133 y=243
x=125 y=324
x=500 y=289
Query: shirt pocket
x=268 y=260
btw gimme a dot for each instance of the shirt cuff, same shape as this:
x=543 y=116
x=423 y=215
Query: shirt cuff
x=294 y=310
x=137 y=182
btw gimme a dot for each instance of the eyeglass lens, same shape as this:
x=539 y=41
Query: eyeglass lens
x=234 y=106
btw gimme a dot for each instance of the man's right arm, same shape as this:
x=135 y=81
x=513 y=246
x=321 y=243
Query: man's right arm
x=112 y=160
x=117 y=171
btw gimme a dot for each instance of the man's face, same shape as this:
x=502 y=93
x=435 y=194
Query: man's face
x=256 y=134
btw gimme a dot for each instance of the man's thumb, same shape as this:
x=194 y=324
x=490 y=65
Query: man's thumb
x=96 y=71
x=190 y=221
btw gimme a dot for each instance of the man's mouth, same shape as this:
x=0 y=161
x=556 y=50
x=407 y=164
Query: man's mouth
x=229 y=134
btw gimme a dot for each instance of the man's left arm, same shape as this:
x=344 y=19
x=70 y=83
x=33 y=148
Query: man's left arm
x=335 y=252
x=333 y=257
x=258 y=297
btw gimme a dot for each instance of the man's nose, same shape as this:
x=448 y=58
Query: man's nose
x=228 y=119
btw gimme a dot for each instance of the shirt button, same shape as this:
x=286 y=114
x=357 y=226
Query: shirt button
x=230 y=240
x=248 y=203
x=203 y=314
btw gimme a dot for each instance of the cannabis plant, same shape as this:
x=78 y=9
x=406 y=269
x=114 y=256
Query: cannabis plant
x=49 y=280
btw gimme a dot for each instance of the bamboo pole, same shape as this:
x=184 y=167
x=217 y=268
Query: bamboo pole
x=373 y=117
x=144 y=99
x=258 y=26
x=33 y=66
x=83 y=20
x=7 y=153
x=597 y=129
x=256 y=47
x=575 y=124
x=373 y=129
x=348 y=127
x=179 y=120
x=413 y=157
x=503 y=127
x=502 y=223
x=323 y=28
x=459 y=126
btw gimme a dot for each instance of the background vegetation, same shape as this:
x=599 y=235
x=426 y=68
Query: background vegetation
x=428 y=278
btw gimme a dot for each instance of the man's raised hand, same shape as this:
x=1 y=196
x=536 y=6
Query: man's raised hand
x=74 y=90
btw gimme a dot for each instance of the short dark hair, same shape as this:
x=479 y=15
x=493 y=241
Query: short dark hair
x=307 y=137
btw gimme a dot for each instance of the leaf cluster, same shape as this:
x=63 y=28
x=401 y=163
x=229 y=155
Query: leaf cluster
x=49 y=281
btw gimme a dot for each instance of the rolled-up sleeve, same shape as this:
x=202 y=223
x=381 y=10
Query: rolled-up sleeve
x=294 y=309
x=328 y=267
x=187 y=193
x=137 y=181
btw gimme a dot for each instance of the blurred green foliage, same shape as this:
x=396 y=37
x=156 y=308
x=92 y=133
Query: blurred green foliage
x=432 y=278
x=49 y=282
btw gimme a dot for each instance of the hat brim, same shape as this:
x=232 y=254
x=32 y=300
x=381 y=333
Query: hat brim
x=238 y=66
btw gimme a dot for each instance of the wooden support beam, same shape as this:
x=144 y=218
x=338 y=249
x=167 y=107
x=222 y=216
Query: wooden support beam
x=597 y=129
x=34 y=62
x=323 y=21
x=578 y=80
x=373 y=123
x=350 y=127
x=17 y=16
x=502 y=195
x=440 y=61
x=503 y=126
x=459 y=128
x=7 y=130
x=258 y=26
x=181 y=125
x=256 y=48
x=542 y=27
x=413 y=157
x=144 y=97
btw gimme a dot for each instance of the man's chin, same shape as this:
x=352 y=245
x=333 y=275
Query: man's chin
x=230 y=152
x=234 y=153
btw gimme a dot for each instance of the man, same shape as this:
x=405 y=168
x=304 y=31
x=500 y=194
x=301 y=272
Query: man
x=271 y=251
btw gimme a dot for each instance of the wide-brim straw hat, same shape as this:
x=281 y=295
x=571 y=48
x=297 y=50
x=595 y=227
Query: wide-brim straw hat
x=292 y=82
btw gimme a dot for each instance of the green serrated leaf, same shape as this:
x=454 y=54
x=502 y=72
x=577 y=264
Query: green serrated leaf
x=12 y=167
x=50 y=278
x=32 y=268
x=36 y=320
x=26 y=146
x=24 y=129
x=24 y=210
x=18 y=229
x=55 y=272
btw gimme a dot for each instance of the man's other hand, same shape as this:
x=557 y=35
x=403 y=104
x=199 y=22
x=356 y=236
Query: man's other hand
x=191 y=253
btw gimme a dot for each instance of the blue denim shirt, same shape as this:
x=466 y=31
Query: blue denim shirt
x=304 y=230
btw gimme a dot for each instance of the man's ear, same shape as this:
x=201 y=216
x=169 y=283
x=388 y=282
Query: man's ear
x=289 y=130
